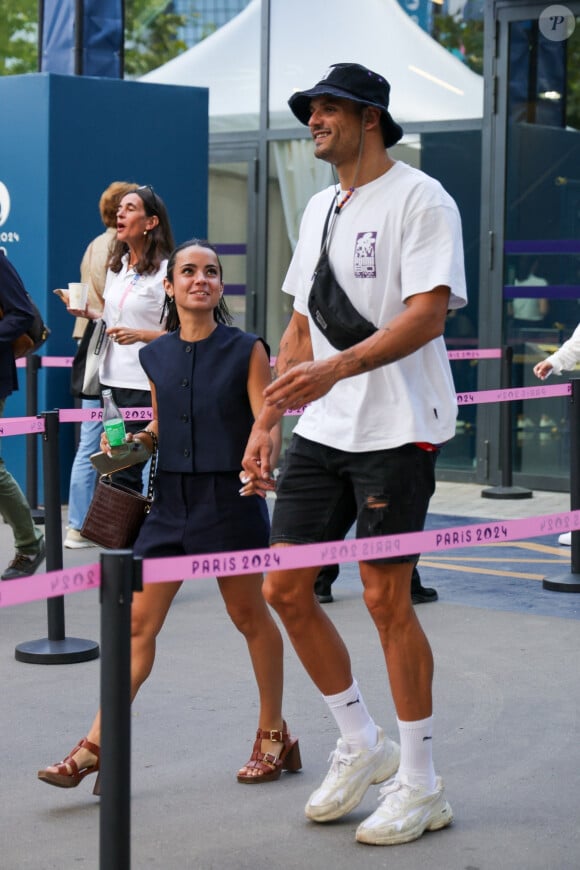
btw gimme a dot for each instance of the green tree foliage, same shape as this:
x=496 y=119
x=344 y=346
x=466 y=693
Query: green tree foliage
x=18 y=36
x=150 y=36
x=462 y=38
x=465 y=40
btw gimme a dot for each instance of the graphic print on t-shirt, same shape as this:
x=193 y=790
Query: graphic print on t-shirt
x=364 y=255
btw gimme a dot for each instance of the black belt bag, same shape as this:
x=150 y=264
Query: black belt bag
x=331 y=309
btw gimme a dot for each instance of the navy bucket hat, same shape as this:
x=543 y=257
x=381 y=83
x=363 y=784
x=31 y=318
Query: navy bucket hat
x=355 y=82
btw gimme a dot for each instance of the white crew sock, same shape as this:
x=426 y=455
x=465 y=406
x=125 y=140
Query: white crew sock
x=416 y=766
x=356 y=725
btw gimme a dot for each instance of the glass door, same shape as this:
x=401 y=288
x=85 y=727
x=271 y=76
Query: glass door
x=231 y=227
x=538 y=187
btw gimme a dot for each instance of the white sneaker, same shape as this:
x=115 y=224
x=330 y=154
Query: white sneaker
x=566 y=539
x=75 y=541
x=404 y=814
x=349 y=777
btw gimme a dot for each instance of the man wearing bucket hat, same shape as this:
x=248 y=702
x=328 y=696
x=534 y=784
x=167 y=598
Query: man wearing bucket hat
x=378 y=264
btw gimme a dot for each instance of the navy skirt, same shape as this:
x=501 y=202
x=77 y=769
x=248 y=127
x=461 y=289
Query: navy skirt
x=202 y=513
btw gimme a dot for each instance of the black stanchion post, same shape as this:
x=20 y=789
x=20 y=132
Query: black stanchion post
x=506 y=490
x=56 y=649
x=117 y=577
x=570 y=582
x=32 y=367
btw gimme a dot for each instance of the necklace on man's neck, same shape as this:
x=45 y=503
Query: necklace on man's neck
x=340 y=205
x=351 y=189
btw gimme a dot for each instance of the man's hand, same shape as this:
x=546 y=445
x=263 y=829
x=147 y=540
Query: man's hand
x=257 y=458
x=301 y=385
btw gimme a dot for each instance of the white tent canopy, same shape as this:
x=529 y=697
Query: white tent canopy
x=427 y=82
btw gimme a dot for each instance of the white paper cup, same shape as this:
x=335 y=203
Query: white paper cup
x=78 y=295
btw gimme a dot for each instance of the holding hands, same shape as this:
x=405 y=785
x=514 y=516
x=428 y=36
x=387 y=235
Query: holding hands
x=256 y=485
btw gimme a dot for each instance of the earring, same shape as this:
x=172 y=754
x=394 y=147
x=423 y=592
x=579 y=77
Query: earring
x=144 y=232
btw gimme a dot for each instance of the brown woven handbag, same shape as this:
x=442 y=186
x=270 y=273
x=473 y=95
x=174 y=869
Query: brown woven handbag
x=116 y=513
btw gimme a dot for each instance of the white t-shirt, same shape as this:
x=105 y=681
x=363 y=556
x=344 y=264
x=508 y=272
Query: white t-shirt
x=397 y=236
x=529 y=309
x=135 y=301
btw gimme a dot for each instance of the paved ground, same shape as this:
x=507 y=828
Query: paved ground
x=506 y=694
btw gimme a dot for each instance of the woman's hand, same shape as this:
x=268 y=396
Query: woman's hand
x=124 y=335
x=256 y=486
x=106 y=447
x=87 y=312
x=104 y=444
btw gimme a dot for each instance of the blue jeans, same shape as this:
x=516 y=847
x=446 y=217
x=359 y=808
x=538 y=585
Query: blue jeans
x=16 y=510
x=83 y=475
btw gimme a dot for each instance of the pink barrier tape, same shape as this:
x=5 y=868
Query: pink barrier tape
x=49 y=362
x=483 y=353
x=28 y=425
x=513 y=395
x=355 y=550
x=490 y=353
x=49 y=585
x=482 y=396
x=75 y=415
x=21 y=425
x=56 y=362
x=239 y=562
x=67 y=361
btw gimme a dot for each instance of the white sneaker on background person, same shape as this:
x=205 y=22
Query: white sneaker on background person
x=75 y=541
x=565 y=540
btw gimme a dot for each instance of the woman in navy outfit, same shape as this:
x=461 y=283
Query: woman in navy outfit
x=207 y=380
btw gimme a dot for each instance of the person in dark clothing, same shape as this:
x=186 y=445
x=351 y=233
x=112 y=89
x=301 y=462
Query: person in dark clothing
x=17 y=317
x=327 y=575
x=207 y=380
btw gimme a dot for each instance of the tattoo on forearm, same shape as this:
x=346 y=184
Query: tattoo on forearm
x=362 y=365
x=284 y=360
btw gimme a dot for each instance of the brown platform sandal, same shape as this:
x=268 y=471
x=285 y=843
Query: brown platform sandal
x=65 y=778
x=269 y=765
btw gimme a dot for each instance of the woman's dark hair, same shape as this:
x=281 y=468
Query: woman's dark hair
x=159 y=241
x=221 y=312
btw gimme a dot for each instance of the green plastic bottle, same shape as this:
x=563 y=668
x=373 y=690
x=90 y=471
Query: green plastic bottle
x=113 y=422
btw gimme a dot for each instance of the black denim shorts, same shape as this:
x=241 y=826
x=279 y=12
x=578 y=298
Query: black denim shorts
x=322 y=491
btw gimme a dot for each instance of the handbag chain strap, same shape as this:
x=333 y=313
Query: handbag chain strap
x=153 y=467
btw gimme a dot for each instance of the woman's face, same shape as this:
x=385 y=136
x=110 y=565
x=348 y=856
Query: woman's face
x=197 y=283
x=132 y=219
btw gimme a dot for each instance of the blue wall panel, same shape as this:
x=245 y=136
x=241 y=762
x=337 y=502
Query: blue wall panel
x=68 y=138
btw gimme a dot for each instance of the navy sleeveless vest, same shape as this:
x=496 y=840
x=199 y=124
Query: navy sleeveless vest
x=202 y=399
